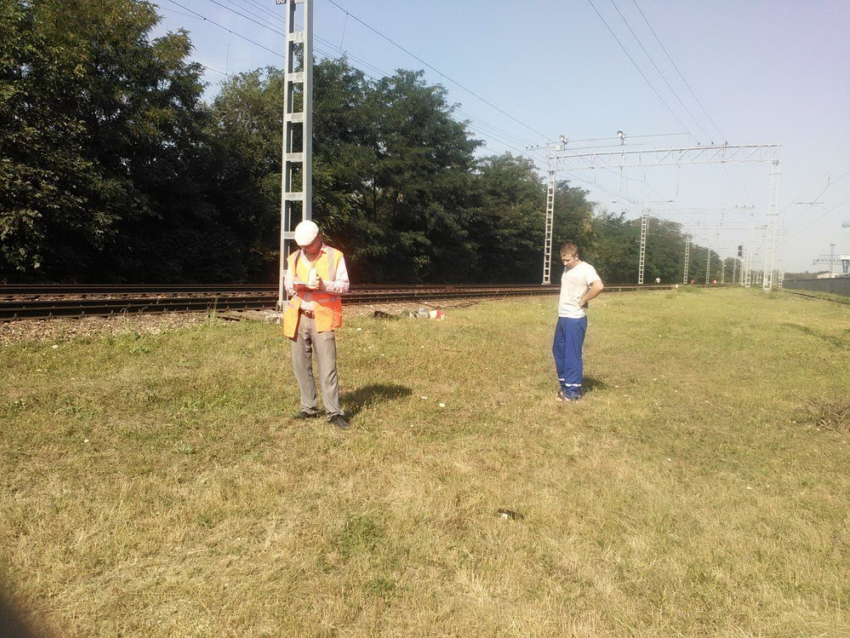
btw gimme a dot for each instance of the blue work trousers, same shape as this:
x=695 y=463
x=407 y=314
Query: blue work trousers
x=569 y=340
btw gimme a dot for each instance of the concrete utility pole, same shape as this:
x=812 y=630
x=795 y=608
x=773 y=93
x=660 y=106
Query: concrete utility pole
x=297 y=116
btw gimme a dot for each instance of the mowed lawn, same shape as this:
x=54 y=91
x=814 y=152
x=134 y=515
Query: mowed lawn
x=154 y=485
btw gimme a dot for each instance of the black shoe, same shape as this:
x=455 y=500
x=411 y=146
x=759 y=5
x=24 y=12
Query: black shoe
x=339 y=421
x=305 y=415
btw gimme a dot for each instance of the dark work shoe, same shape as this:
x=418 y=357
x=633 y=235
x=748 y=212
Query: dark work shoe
x=305 y=415
x=339 y=421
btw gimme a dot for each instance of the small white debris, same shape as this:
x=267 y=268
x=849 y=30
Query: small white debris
x=359 y=329
x=442 y=405
x=748 y=487
x=54 y=347
x=426 y=398
x=669 y=460
x=86 y=441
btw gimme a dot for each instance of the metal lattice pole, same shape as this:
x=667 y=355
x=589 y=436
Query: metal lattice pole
x=748 y=255
x=685 y=155
x=297 y=92
x=550 y=223
x=772 y=228
x=687 y=256
x=644 y=223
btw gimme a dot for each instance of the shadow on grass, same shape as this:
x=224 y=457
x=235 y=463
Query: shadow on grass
x=353 y=402
x=841 y=341
x=589 y=384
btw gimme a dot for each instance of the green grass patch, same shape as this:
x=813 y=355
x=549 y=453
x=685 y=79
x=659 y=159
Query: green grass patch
x=154 y=485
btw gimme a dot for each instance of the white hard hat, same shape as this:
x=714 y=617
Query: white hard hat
x=306 y=232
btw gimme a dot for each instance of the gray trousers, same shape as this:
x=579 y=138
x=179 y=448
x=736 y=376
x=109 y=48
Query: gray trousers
x=307 y=341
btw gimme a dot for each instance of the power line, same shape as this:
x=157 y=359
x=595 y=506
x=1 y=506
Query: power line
x=824 y=214
x=682 y=77
x=642 y=74
x=828 y=184
x=324 y=53
x=663 y=48
x=440 y=73
x=205 y=19
x=669 y=86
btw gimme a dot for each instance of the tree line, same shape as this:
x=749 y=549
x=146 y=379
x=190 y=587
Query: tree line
x=113 y=168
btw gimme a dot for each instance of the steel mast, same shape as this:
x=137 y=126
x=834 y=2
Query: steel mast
x=297 y=154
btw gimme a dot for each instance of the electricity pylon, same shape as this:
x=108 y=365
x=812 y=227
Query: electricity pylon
x=623 y=157
x=644 y=226
x=297 y=92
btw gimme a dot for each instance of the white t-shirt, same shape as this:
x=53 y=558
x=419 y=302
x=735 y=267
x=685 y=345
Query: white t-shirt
x=574 y=283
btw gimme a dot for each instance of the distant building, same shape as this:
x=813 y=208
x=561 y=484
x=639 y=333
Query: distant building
x=828 y=275
x=845 y=264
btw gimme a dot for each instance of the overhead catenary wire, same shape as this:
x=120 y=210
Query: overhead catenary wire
x=682 y=77
x=328 y=55
x=825 y=213
x=440 y=73
x=660 y=72
x=676 y=95
x=825 y=188
x=639 y=70
x=238 y=35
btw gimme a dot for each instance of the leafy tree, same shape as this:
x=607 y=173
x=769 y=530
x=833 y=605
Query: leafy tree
x=507 y=223
x=416 y=189
x=102 y=148
x=573 y=221
x=617 y=251
x=246 y=138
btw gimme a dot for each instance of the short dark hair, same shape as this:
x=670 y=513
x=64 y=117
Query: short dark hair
x=570 y=247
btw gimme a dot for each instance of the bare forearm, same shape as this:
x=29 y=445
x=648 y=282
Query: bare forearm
x=595 y=288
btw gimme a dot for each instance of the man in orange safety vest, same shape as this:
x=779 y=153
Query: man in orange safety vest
x=316 y=276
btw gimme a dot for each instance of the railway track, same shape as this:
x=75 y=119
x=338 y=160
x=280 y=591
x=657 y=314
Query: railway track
x=53 y=301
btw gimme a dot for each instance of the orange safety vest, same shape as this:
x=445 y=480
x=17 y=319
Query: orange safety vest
x=327 y=307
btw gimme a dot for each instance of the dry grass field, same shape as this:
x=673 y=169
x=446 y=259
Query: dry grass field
x=153 y=485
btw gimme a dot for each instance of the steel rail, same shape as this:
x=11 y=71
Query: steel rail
x=90 y=290
x=16 y=309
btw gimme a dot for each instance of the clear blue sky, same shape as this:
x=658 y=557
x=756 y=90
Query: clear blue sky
x=523 y=73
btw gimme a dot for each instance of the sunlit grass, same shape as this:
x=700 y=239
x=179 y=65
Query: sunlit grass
x=154 y=486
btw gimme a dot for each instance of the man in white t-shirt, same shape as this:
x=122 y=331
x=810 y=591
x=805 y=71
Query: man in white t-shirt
x=579 y=284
